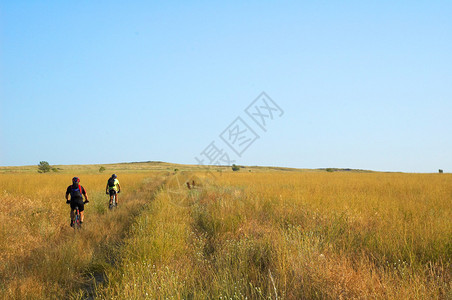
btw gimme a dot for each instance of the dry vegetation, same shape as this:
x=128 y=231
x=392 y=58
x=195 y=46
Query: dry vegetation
x=41 y=257
x=235 y=235
x=291 y=235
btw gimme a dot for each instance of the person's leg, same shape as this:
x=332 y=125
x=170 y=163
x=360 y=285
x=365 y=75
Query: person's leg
x=111 y=197
x=117 y=199
x=81 y=209
x=72 y=216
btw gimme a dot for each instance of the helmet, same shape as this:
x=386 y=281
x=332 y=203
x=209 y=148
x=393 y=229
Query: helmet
x=113 y=176
x=75 y=180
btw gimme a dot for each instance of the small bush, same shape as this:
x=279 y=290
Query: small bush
x=101 y=169
x=440 y=171
x=44 y=167
x=235 y=167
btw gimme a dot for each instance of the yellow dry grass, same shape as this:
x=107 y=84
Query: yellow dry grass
x=356 y=235
x=40 y=255
x=235 y=235
x=291 y=235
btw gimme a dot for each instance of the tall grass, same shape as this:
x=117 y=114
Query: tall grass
x=40 y=255
x=293 y=236
x=284 y=235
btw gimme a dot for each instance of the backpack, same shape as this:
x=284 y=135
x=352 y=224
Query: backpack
x=76 y=191
x=111 y=182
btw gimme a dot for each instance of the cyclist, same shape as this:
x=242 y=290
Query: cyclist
x=77 y=192
x=113 y=188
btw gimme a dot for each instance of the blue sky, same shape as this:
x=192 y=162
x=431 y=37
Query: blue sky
x=363 y=84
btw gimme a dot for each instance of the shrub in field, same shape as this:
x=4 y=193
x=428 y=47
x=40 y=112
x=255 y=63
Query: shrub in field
x=102 y=169
x=44 y=167
x=235 y=167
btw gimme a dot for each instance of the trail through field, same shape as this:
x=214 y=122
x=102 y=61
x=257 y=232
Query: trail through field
x=118 y=223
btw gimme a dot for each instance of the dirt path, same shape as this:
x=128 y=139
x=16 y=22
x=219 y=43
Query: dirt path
x=120 y=220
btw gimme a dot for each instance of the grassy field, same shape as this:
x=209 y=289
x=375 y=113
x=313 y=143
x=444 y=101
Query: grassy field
x=256 y=234
x=40 y=255
x=291 y=235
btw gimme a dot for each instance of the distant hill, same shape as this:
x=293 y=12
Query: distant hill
x=147 y=166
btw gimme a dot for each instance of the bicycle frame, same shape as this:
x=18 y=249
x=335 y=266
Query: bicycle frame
x=77 y=220
x=113 y=202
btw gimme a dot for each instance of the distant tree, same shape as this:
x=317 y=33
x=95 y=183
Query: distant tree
x=175 y=170
x=44 y=167
x=440 y=171
x=55 y=170
x=235 y=167
x=329 y=169
x=101 y=169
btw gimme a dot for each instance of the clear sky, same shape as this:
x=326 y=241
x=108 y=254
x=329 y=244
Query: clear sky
x=362 y=84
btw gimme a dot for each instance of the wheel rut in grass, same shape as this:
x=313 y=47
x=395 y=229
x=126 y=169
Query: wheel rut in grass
x=119 y=221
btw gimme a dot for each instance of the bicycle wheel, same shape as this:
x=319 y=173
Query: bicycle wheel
x=113 y=202
x=77 y=221
x=112 y=205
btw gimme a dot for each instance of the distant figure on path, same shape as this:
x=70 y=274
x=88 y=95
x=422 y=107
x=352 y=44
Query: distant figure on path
x=113 y=188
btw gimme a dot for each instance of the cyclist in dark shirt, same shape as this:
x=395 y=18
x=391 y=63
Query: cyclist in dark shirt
x=77 y=192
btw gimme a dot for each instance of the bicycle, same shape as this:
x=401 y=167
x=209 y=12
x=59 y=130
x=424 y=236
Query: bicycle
x=77 y=219
x=113 y=203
